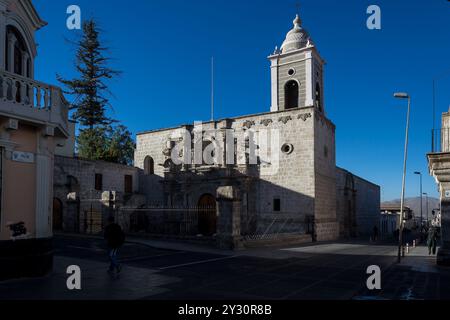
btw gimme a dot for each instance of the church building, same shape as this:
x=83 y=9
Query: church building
x=292 y=187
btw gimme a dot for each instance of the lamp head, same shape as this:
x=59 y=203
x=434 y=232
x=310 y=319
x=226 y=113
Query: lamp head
x=401 y=95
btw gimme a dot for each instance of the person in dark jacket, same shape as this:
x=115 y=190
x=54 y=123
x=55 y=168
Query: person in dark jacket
x=375 y=234
x=115 y=238
x=432 y=240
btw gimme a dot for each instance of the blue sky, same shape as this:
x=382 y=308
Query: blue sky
x=164 y=50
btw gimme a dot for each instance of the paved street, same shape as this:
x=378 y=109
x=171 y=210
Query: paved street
x=320 y=271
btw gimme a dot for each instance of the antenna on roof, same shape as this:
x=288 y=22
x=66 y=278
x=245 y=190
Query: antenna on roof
x=212 y=88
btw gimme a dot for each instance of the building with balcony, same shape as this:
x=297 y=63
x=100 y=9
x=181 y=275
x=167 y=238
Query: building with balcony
x=439 y=167
x=33 y=123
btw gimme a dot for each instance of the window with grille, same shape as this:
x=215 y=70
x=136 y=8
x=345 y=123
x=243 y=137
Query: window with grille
x=98 y=182
x=128 y=184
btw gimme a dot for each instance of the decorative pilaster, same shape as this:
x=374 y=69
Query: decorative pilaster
x=2 y=39
x=11 y=43
x=274 y=84
x=229 y=206
x=25 y=57
x=309 y=86
x=44 y=187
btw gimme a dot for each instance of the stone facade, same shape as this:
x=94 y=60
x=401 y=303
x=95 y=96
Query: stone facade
x=76 y=194
x=299 y=192
x=358 y=205
x=302 y=181
x=265 y=176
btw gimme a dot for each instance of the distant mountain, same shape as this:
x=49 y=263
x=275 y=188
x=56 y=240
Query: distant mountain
x=414 y=204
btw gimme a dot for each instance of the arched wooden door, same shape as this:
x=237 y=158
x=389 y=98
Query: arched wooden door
x=57 y=215
x=207 y=216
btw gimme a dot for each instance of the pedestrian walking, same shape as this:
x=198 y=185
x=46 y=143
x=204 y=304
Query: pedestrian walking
x=115 y=237
x=432 y=240
x=375 y=234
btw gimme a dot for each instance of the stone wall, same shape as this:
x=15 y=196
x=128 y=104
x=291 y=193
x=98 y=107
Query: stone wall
x=358 y=204
x=74 y=188
x=325 y=179
x=302 y=180
x=152 y=144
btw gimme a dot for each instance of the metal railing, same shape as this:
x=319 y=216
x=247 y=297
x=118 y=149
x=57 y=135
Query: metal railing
x=440 y=140
x=195 y=221
x=270 y=227
x=170 y=221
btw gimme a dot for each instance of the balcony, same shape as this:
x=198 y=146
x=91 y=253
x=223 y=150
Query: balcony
x=33 y=102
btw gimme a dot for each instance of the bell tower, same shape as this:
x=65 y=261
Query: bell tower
x=296 y=72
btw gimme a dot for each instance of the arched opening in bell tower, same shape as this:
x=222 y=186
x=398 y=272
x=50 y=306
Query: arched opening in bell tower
x=291 y=94
x=318 y=97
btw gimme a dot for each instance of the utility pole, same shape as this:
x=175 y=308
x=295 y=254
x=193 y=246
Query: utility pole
x=212 y=88
x=402 y=95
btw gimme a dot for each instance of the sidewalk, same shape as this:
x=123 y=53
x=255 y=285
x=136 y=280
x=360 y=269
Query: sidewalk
x=132 y=284
x=417 y=277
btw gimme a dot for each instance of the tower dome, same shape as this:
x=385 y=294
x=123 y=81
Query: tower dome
x=297 y=38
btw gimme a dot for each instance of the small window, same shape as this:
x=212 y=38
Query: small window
x=291 y=72
x=277 y=205
x=128 y=184
x=98 y=182
x=149 y=166
x=325 y=151
x=287 y=148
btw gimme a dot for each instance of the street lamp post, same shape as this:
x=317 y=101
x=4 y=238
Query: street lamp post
x=420 y=174
x=426 y=194
x=402 y=95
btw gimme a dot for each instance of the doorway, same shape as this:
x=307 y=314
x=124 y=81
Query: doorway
x=57 y=215
x=207 y=216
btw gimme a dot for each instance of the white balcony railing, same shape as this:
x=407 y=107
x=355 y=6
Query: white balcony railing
x=28 y=98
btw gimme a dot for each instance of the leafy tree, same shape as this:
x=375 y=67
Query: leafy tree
x=98 y=139
x=120 y=148
x=90 y=88
x=113 y=144
x=92 y=144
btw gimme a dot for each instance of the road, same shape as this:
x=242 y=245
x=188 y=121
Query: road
x=320 y=271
